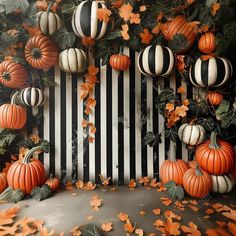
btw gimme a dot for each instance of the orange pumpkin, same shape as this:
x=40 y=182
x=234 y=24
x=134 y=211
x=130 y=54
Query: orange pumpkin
x=120 y=62
x=215 y=157
x=179 y=25
x=192 y=164
x=3 y=182
x=214 y=98
x=41 y=52
x=173 y=169
x=54 y=183
x=12 y=116
x=197 y=183
x=27 y=173
x=13 y=75
x=206 y=43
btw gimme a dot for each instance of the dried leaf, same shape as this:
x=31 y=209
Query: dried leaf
x=166 y=201
x=107 y=227
x=146 y=36
x=156 y=211
x=95 y=203
x=191 y=230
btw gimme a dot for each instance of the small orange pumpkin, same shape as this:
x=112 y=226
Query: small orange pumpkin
x=12 y=116
x=215 y=156
x=41 y=52
x=3 y=182
x=197 y=183
x=214 y=98
x=53 y=182
x=120 y=62
x=206 y=43
x=27 y=173
x=179 y=25
x=173 y=169
x=13 y=75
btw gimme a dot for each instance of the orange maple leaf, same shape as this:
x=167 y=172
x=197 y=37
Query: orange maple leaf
x=158 y=28
x=215 y=7
x=123 y=217
x=80 y=184
x=194 y=208
x=186 y=102
x=191 y=230
x=144 y=180
x=75 y=231
x=103 y=14
x=181 y=111
x=139 y=232
x=146 y=36
x=125 y=11
x=231 y=214
x=124 y=32
x=134 y=18
x=172 y=215
x=91 y=139
x=69 y=186
x=166 y=201
x=89 y=186
x=171 y=227
x=129 y=227
x=88 y=41
x=156 y=211
x=95 y=203
x=170 y=106
x=181 y=90
x=180 y=64
x=107 y=227
x=132 y=183
x=22 y=152
x=142 y=8
x=84 y=90
x=209 y=211
x=7 y=215
x=105 y=181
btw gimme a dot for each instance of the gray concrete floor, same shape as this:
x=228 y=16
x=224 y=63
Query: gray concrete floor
x=63 y=211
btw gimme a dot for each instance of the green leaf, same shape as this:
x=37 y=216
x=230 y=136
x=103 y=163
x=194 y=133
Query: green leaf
x=11 y=195
x=230 y=30
x=198 y=108
x=42 y=193
x=90 y=230
x=10 y=6
x=207 y=123
x=67 y=7
x=228 y=119
x=64 y=38
x=178 y=43
x=2 y=150
x=171 y=133
x=45 y=145
x=223 y=107
x=175 y=192
x=113 y=35
x=210 y=2
x=6 y=137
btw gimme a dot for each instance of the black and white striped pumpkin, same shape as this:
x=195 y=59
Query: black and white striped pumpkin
x=191 y=134
x=49 y=22
x=213 y=72
x=33 y=97
x=85 y=22
x=156 y=61
x=222 y=183
x=73 y=60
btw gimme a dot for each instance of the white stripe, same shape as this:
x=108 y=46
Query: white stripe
x=103 y=112
x=77 y=27
x=149 y=125
x=104 y=25
x=80 y=133
x=145 y=60
x=138 y=125
x=159 y=59
x=46 y=127
x=197 y=73
x=94 y=20
x=212 y=72
x=127 y=147
x=114 y=78
x=57 y=121
x=69 y=140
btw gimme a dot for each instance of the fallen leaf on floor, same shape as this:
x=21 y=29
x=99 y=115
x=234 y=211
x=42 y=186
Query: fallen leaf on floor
x=69 y=186
x=75 y=231
x=217 y=206
x=107 y=227
x=212 y=232
x=144 y=180
x=154 y=184
x=156 y=211
x=89 y=186
x=191 y=230
x=161 y=189
x=221 y=224
x=209 y=211
x=90 y=218
x=180 y=205
x=158 y=223
x=172 y=215
x=139 y=232
x=27 y=226
x=193 y=202
x=206 y=217
x=231 y=215
x=194 y=208
x=132 y=183
x=166 y=201
x=123 y=217
x=7 y=216
x=142 y=213
x=105 y=181
x=74 y=194
x=95 y=203
x=223 y=232
x=80 y=184
x=232 y=228
x=46 y=232
x=129 y=227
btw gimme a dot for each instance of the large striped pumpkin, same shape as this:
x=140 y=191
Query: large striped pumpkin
x=33 y=97
x=197 y=183
x=156 y=61
x=27 y=173
x=85 y=22
x=49 y=22
x=12 y=116
x=222 y=183
x=215 y=156
x=73 y=60
x=3 y=182
x=12 y=74
x=41 y=52
x=213 y=72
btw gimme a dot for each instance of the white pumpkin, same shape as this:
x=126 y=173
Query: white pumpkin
x=73 y=60
x=191 y=134
x=222 y=183
x=49 y=22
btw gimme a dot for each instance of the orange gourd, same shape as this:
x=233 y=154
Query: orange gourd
x=12 y=116
x=179 y=25
x=214 y=98
x=206 y=43
x=215 y=157
x=197 y=183
x=173 y=169
x=54 y=183
x=3 y=182
x=13 y=75
x=41 y=52
x=120 y=62
x=27 y=173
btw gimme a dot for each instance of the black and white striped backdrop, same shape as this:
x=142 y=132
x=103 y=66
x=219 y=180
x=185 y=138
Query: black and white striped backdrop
x=125 y=111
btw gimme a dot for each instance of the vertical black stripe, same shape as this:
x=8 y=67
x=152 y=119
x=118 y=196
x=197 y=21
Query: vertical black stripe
x=74 y=129
x=98 y=127
x=178 y=142
x=220 y=71
x=132 y=115
x=40 y=129
x=152 y=59
x=166 y=60
x=85 y=18
x=192 y=75
x=63 y=124
x=29 y=124
x=144 y=123
x=86 y=147
x=109 y=120
x=204 y=72
x=99 y=23
x=140 y=62
x=121 y=128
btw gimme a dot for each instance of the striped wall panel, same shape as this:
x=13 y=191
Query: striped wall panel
x=124 y=113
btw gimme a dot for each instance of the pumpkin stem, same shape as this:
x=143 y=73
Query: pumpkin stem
x=198 y=171
x=36 y=53
x=50 y=6
x=14 y=96
x=28 y=155
x=172 y=151
x=6 y=75
x=192 y=122
x=51 y=176
x=213 y=141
